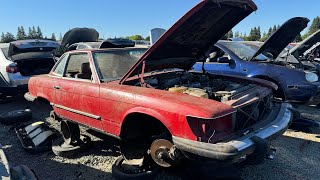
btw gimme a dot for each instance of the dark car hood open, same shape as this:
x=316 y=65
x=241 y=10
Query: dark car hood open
x=77 y=35
x=191 y=36
x=306 y=44
x=280 y=39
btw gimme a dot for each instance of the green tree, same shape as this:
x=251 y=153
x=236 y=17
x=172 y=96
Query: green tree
x=269 y=32
x=53 y=37
x=38 y=33
x=298 y=38
x=60 y=37
x=32 y=33
x=274 y=29
x=147 y=38
x=230 y=34
x=237 y=34
x=21 y=34
x=136 y=37
x=264 y=37
x=6 y=38
x=2 y=37
x=315 y=26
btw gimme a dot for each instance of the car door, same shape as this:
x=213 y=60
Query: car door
x=77 y=92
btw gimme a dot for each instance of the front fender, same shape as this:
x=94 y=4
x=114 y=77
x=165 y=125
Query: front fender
x=146 y=111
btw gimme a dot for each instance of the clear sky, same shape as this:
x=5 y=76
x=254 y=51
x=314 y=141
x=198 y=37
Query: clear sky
x=128 y=17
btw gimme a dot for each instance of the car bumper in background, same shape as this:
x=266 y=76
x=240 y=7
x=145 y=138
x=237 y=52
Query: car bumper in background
x=234 y=150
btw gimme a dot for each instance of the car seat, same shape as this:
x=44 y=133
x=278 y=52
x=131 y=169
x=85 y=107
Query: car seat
x=85 y=71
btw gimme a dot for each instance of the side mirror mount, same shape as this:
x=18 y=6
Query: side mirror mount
x=223 y=60
x=269 y=55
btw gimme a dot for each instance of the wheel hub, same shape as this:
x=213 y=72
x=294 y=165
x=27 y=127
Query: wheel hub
x=160 y=152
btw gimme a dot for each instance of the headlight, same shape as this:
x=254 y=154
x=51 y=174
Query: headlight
x=311 y=77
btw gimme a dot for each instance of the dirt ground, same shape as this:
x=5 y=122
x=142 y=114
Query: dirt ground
x=297 y=157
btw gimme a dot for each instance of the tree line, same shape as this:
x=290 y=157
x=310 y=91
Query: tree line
x=256 y=34
x=33 y=33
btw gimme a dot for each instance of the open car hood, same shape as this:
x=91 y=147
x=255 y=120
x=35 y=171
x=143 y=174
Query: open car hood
x=306 y=44
x=280 y=39
x=77 y=35
x=193 y=35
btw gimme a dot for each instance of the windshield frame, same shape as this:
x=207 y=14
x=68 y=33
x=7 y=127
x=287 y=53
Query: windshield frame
x=249 y=49
x=96 y=64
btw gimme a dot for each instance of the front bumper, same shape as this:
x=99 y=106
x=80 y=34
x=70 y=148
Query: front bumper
x=234 y=150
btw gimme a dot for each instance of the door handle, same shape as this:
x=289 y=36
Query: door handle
x=56 y=87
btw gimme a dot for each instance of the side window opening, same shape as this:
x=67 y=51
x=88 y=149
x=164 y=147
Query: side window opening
x=78 y=67
x=59 y=69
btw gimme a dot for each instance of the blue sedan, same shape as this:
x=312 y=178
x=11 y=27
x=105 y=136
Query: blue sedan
x=295 y=85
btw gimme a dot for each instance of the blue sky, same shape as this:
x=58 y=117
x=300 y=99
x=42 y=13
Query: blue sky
x=128 y=17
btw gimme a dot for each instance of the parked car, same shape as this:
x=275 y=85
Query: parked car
x=304 y=55
x=20 y=60
x=236 y=58
x=159 y=109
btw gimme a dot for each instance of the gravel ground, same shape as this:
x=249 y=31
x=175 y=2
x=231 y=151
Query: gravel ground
x=298 y=155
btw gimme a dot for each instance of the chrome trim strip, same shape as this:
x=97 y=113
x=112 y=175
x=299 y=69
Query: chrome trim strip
x=76 y=111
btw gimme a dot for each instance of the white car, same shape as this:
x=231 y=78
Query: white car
x=20 y=60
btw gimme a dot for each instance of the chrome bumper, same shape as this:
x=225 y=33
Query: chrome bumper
x=233 y=150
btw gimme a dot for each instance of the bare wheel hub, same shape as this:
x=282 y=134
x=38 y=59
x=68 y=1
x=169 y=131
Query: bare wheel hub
x=160 y=152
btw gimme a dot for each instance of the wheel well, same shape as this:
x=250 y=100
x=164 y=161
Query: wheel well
x=138 y=125
x=42 y=100
x=279 y=92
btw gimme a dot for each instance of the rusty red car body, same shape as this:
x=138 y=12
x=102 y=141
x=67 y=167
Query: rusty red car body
x=200 y=126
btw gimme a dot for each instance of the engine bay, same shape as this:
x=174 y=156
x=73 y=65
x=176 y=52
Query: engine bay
x=203 y=85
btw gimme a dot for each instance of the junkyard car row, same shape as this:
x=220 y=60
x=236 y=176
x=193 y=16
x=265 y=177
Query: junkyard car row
x=188 y=96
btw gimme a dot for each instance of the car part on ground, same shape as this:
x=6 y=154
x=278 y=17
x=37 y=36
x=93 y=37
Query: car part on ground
x=36 y=137
x=16 y=116
x=122 y=170
x=63 y=149
x=21 y=172
x=5 y=99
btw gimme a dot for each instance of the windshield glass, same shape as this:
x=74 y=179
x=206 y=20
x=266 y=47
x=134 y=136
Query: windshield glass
x=113 y=65
x=244 y=52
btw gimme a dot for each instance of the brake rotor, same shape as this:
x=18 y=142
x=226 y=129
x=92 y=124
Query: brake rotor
x=160 y=152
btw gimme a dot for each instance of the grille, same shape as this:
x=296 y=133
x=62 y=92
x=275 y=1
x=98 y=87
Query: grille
x=253 y=113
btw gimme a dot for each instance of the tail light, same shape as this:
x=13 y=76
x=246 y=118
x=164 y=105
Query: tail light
x=211 y=130
x=12 y=68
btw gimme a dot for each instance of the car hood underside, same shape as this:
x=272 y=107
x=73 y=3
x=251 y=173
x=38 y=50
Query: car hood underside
x=188 y=40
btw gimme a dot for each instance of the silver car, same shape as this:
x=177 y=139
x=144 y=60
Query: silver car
x=20 y=60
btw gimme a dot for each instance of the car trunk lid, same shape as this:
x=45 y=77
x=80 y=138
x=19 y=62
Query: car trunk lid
x=282 y=37
x=191 y=36
x=77 y=35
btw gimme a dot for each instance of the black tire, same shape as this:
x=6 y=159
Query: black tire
x=119 y=173
x=70 y=132
x=59 y=148
x=12 y=117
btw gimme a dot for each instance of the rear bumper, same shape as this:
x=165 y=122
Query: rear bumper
x=234 y=150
